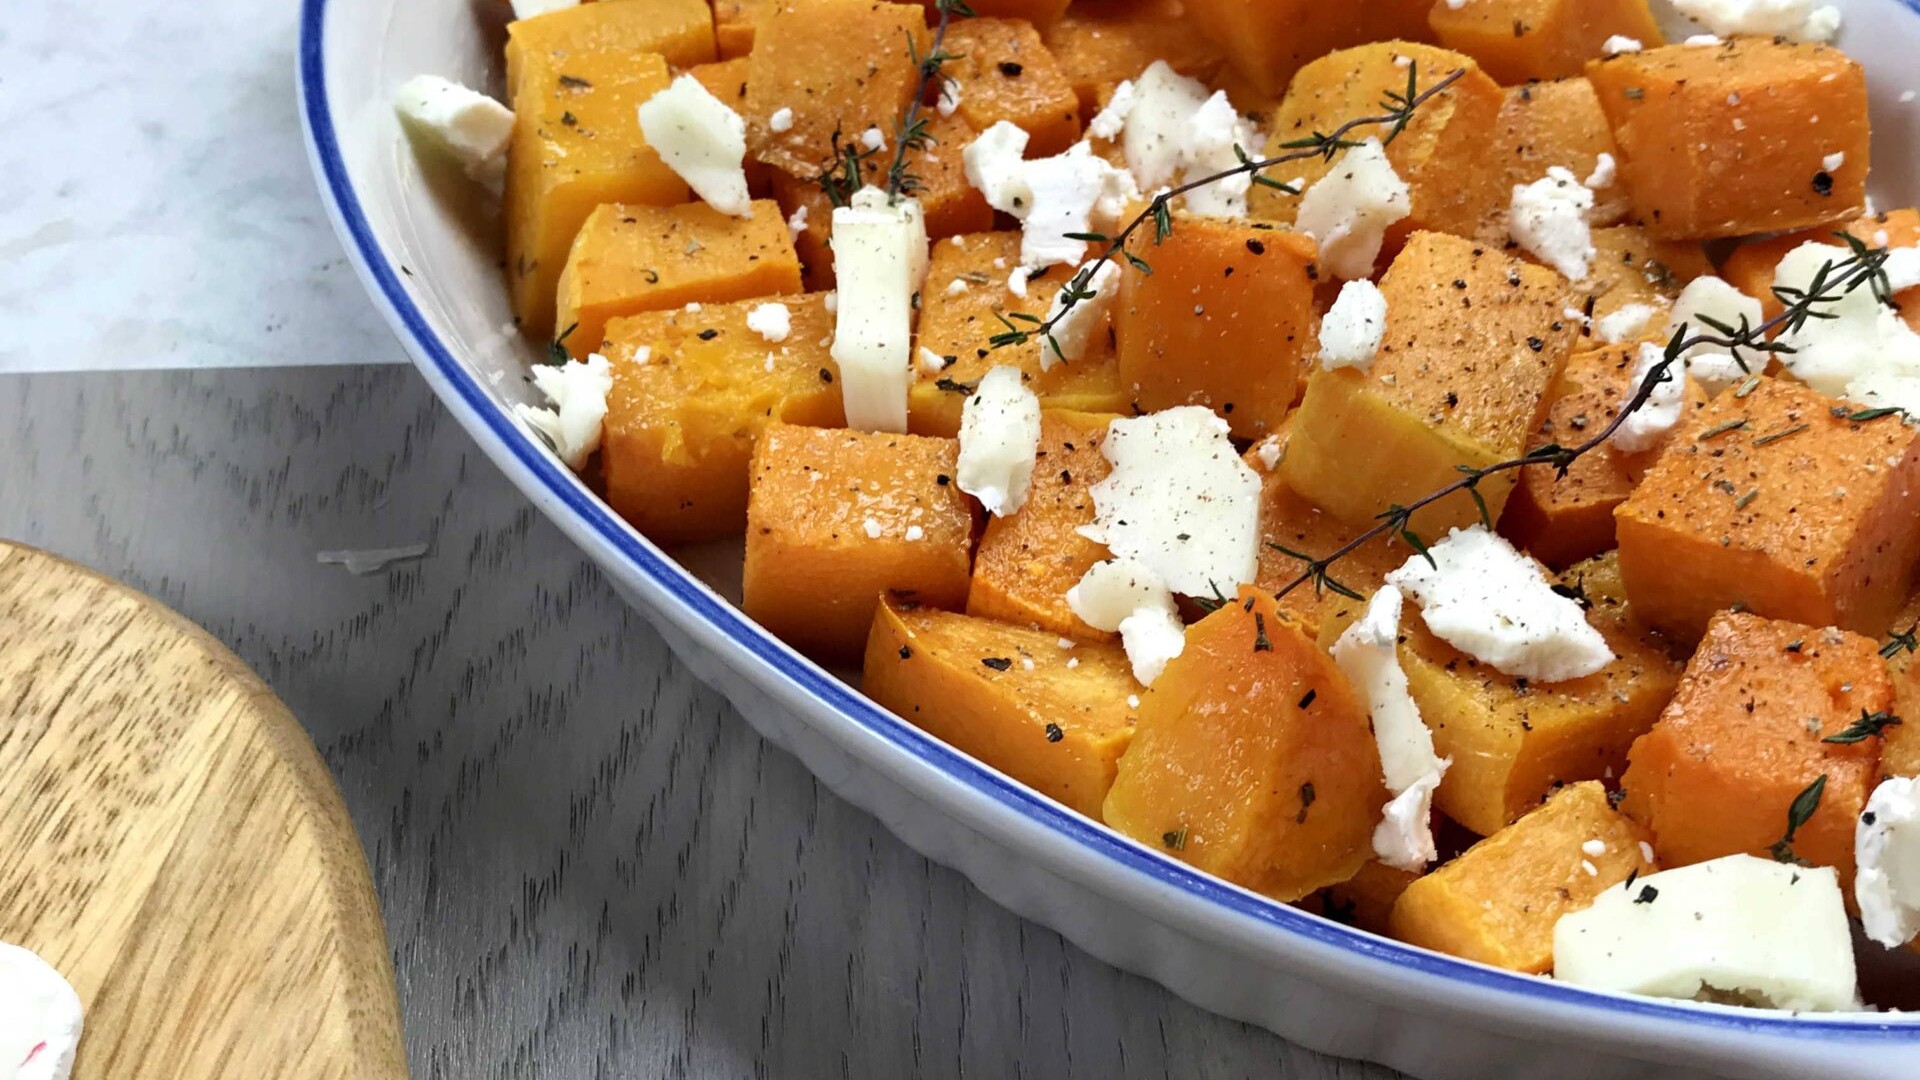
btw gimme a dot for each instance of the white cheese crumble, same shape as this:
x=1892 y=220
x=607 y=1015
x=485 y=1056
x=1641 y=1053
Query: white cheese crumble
x=1709 y=297
x=1832 y=162
x=1367 y=653
x=931 y=363
x=1594 y=848
x=773 y=322
x=465 y=124
x=40 y=1018
x=1214 y=138
x=995 y=162
x=578 y=392
x=1111 y=120
x=1886 y=846
x=1354 y=327
x=1483 y=597
x=797 y=221
x=1605 y=171
x=1625 y=324
x=1125 y=596
x=1800 y=20
x=1076 y=327
x=873 y=139
x=1861 y=340
x=1349 y=210
x=1180 y=500
x=1643 y=429
x=702 y=140
x=1620 y=43
x=1269 y=452
x=999 y=438
x=1772 y=933
x=527 y=9
x=1054 y=197
x=781 y=121
x=949 y=102
x=1548 y=219
x=1157 y=123
x=879 y=258
x=872 y=528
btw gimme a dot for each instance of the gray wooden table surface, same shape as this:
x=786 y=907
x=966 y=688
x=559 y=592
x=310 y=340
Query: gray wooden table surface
x=590 y=866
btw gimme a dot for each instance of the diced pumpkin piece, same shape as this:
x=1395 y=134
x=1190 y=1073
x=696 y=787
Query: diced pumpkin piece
x=563 y=161
x=681 y=423
x=1770 y=503
x=1099 y=43
x=1054 y=719
x=1037 y=12
x=1518 y=41
x=1629 y=267
x=1028 y=561
x=833 y=66
x=1554 y=123
x=1267 y=41
x=1005 y=73
x=1225 y=320
x=836 y=518
x=1455 y=183
x=1745 y=735
x=630 y=259
x=734 y=22
x=1474 y=339
x=1732 y=139
x=681 y=31
x=1512 y=743
x=1750 y=268
x=727 y=80
x=1366 y=900
x=1497 y=903
x=1900 y=744
x=1290 y=527
x=960 y=310
x=1252 y=758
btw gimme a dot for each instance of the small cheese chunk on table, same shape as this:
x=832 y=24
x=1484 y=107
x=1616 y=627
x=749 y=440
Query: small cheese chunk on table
x=837 y=518
x=1519 y=41
x=1004 y=72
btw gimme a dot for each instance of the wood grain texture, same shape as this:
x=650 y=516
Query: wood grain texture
x=175 y=847
x=589 y=866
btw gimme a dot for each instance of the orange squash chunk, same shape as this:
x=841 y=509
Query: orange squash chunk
x=1744 y=736
x=1629 y=267
x=1225 y=320
x=1698 y=165
x=679 y=30
x=1028 y=561
x=1455 y=183
x=1252 y=759
x=1751 y=266
x=836 y=518
x=559 y=165
x=1102 y=42
x=1794 y=513
x=1497 y=903
x=630 y=259
x=961 y=307
x=838 y=66
x=734 y=22
x=1268 y=41
x=1366 y=900
x=1291 y=524
x=1521 y=40
x=1554 y=123
x=1900 y=745
x=1474 y=339
x=1005 y=73
x=1037 y=12
x=681 y=423
x=727 y=80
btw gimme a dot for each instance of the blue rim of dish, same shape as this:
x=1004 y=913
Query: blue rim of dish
x=663 y=572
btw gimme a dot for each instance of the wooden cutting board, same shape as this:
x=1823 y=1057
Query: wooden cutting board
x=172 y=843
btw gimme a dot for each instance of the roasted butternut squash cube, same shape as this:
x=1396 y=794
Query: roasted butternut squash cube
x=1099 y=43
x=563 y=161
x=1518 y=41
x=837 y=518
x=691 y=392
x=1366 y=900
x=1005 y=73
x=1746 y=734
x=727 y=80
x=629 y=259
x=829 y=67
x=1454 y=182
x=681 y=31
x=1028 y=561
x=1750 y=268
x=1037 y=12
x=1497 y=903
x=1732 y=139
x=1629 y=267
x=961 y=306
x=1252 y=758
x=1473 y=342
x=1267 y=41
x=1225 y=320
x=1554 y=123
x=1770 y=503
x=1291 y=527
x=1055 y=719
x=734 y=22
x=1512 y=742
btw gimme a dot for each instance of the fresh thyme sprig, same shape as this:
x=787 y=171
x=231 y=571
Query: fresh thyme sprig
x=847 y=175
x=1398 y=112
x=912 y=134
x=1798 y=814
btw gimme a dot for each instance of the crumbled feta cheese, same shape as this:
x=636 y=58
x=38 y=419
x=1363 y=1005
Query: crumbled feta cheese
x=578 y=392
x=931 y=363
x=1158 y=121
x=1124 y=596
x=1180 y=500
x=773 y=322
x=1886 y=846
x=1017 y=282
x=467 y=125
x=1270 y=452
x=1069 y=193
x=1709 y=297
x=702 y=141
x=1832 y=162
x=40 y=1018
x=949 y=102
x=1860 y=337
x=1620 y=43
x=1902 y=266
x=957 y=286
x=1888 y=390
x=1367 y=654
x=1086 y=317
x=915 y=534
x=1800 y=20
x=1625 y=324
x=1350 y=209
x=1215 y=137
x=797 y=221
x=872 y=528
x=1594 y=848
x=527 y=9
x=1111 y=120
x=996 y=167
x=1770 y=933
x=879 y=258
x=1549 y=219
x=1644 y=428
x=873 y=139
x=1486 y=599
x=1605 y=171
x=1703 y=40
x=781 y=121
x=1354 y=327
x=999 y=436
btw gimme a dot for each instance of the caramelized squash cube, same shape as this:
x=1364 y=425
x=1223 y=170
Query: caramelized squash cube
x=1629 y=267
x=1784 y=510
x=1497 y=903
x=734 y=22
x=1474 y=340
x=1290 y=527
x=681 y=31
x=1268 y=41
x=1252 y=759
x=1099 y=43
x=1745 y=735
x=834 y=67
x=1038 y=12
x=1005 y=73
x=836 y=518
x=1732 y=139
x=1054 y=719
x=1554 y=123
x=1366 y=900
x=1750 y=268
x=1518 y=41
x=727 y=80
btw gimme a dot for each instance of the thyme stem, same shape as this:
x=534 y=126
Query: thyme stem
x=912 y=132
